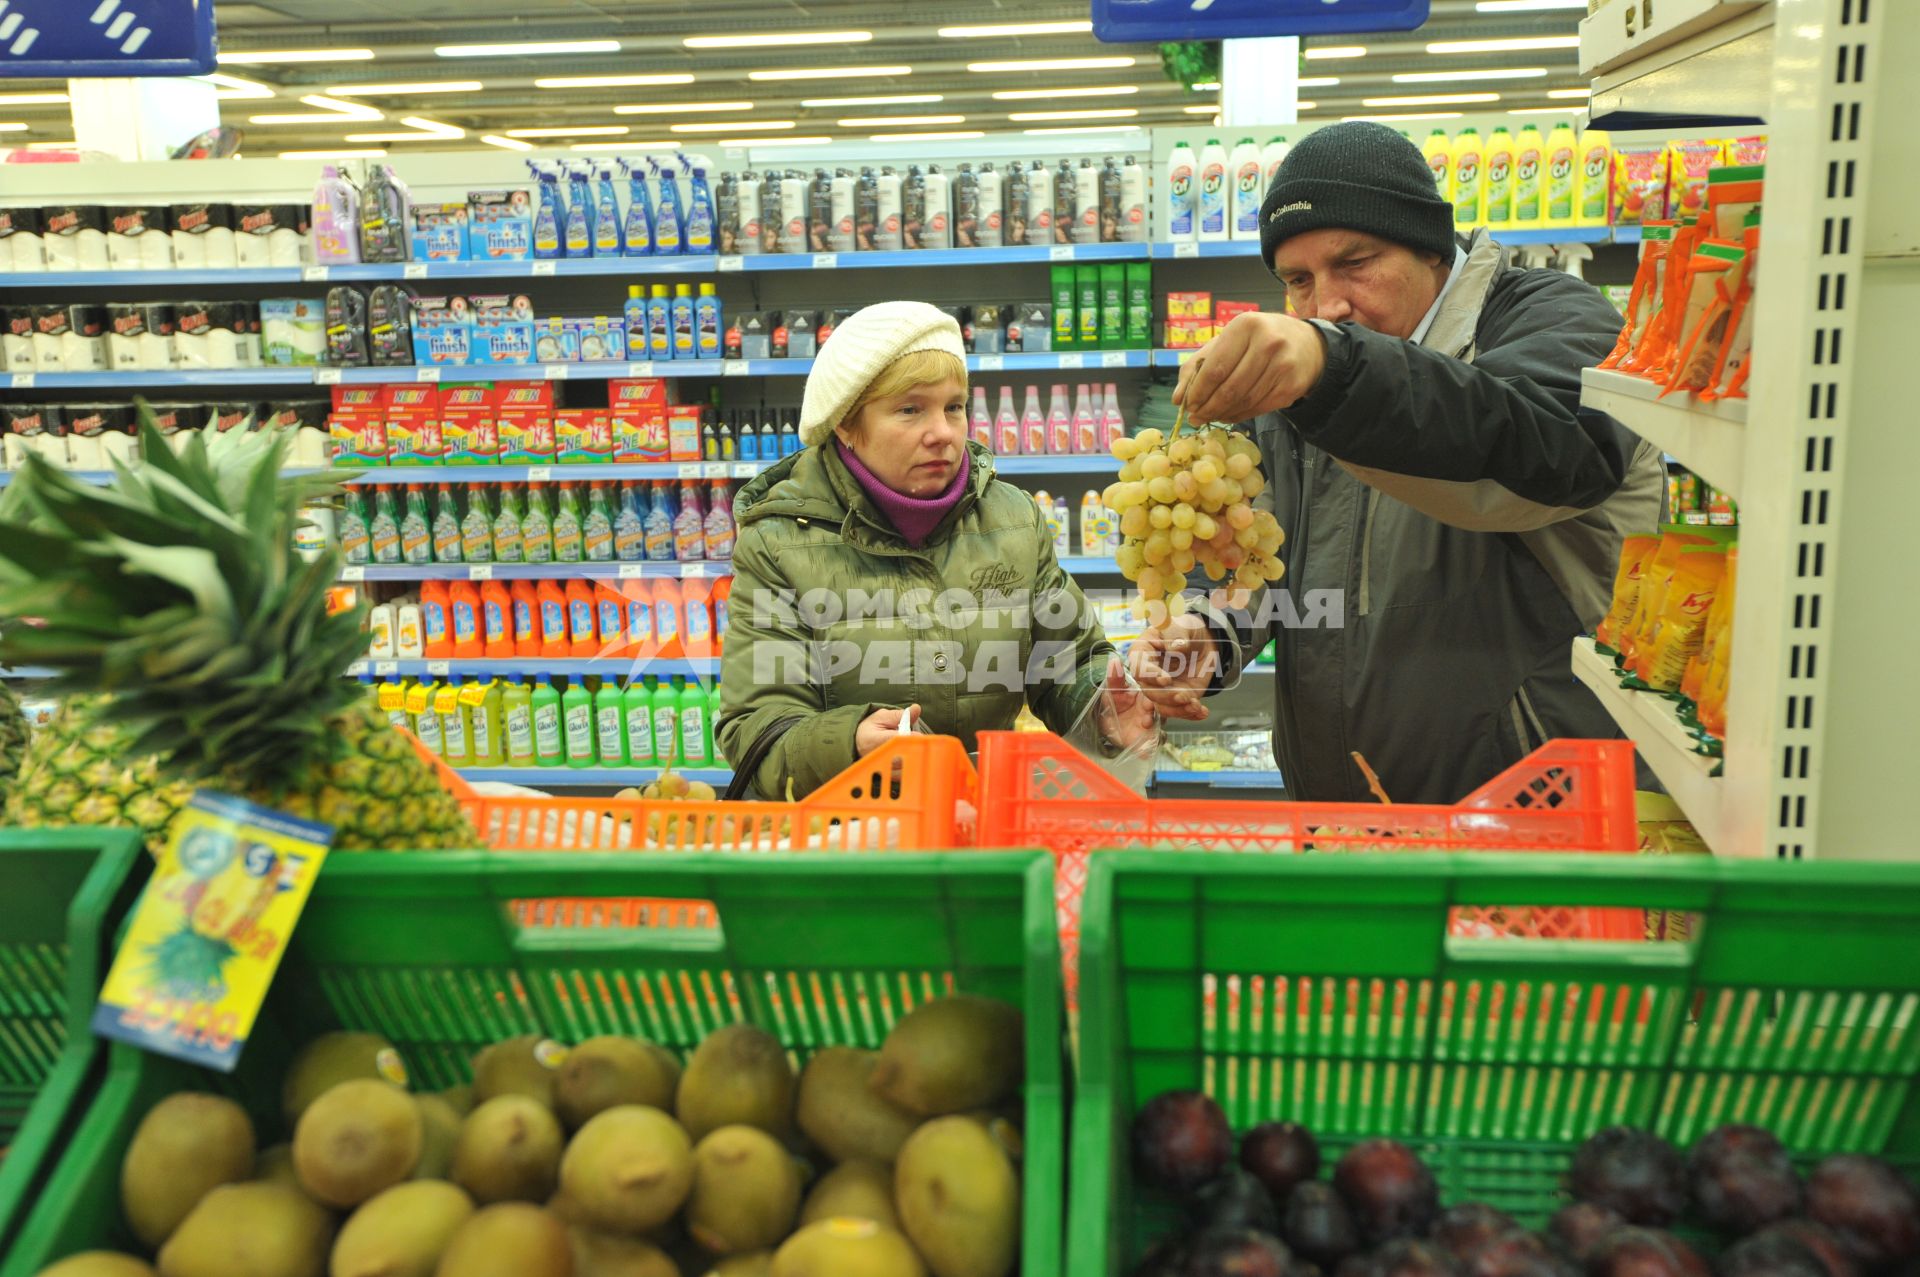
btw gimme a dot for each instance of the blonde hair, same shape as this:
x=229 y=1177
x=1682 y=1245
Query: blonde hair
x=910 y=371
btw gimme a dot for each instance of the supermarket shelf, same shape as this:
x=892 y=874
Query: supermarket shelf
x=1539 y=235
x=1223 y=778
x=1087 y=463
x=688 y=264
x=527 y=666
x=1653 y=725
x=82 y=476
x=562 y=372
x=531 y=571
x=1089 y=564
x=1707 y=438
x=162 y=377
x=589 y=777
x=1683 y=64
x=562 y=473
x=29 y=671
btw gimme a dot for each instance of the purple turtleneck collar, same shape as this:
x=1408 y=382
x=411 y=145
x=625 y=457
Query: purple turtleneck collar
x=912 y=517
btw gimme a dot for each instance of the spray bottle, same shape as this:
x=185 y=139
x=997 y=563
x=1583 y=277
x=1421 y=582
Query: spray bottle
x=666 y=218
x=609 y=236
x=700 y=237
x=580 y=214
x=637 y=235
x=550 y=220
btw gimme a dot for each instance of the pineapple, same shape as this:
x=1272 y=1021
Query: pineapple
x=176 y=595
x=13 y=738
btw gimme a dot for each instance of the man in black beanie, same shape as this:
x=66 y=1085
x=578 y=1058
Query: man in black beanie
x=1453 y=515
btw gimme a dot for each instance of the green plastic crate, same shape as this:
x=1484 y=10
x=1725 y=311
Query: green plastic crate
x=1326 y=989
x=819 y=950
x=64 y=894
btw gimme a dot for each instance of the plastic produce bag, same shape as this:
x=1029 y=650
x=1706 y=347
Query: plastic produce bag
x=1130 y=763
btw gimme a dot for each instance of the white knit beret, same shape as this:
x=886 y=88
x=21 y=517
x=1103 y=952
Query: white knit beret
x=861 y=349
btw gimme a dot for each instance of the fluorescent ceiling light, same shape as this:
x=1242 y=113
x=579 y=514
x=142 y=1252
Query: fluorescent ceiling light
x=1108 y=113
x=1083 y=128
x=949 y=135
x=13 y=127
x=1410 y=115
x=1318 y=81
x=725 y=126
x=573 y=130
x=1326 y=52
x=31 y=99
x=529 y=48
x=1051 y=64
x=337 y=153
x=1546 y=110
x=1431 y=99
x=1305 y=106
x=386 y=90
x=506 y=143
x=679 y=108
x=1528 y=6
x=827 y=73
x=1505 y=46
x=1091 y=91
x=772 y=39
x=1016 y=29
x=773 y=141
x=424 y=130
x=267 y=57
x=1200 y=110
x=332 y=109
x=1448 y=77
x=1206 y=86
x=609 y=81
x=234 y=88
x=889 y=121
x=665 y=144
x=884 y=99
x=1570 y=93
x=67 y=145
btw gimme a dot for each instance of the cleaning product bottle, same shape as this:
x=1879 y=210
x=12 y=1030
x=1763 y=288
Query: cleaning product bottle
x=336 y=219
x=582 y=637
x=636 y=712
x=1248 y=189
x=939 y=227
x=669 y=623
x=1530 y=180
x=637 y=237
x=629 y=525
x=1591 y=173
x=576 y=725
x=463 y=598
x=690 y=526
x=722 y=591
x=717 y=758
x=886 y=218
x=384 y=530
x=609 y=725
x=483 y=703
x=1182 y=175
x=1438 y=148
x=508 y=547
x=720 y=529
x=666 y=216
x=708 y=323
x=979 y=420
x=496 y=621
x=1112 y=424
x=1272 y=156
x=536 y=528
x=456 y=732
x=659 y=322
x=554 y=643
x=641 y=643
x=696 y=733
x=1014 y=435
x=610 y=608
x=666 y=723
x=476 y=528
x=567 y=542
x=682 y=319
x=696 y=609
x=660 y=515
x=547 y=748
x=426 y=718
x=1059 y=422
x=1214 y=219
x=609 y=236
x=436 y=621
x=355 y=529
x=1086 y=427
x=549 y=221
x=596 y=528
x=525 y=598
x=383 y=217
x=446 y=526
x=991 y=229
x=380 y=632
x=1006 y=422
x=393 y=702
x=1499 y=180
x=1561 y=175
x=580 y=215
x=1469 y=195
x=516 y=708
x=700 y=237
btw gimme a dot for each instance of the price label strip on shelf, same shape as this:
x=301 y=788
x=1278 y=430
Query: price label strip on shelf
x=1073 y=361
x=414 y=270
x=632 y=571
x=539 y=474
x=353 y=572
x=426 y=374
x=644 y=368
x=734 y=368
x=727 y=263
x=208 y=934
x=1114 y=359
x=559 y=372
x=480 y=572
x=326 y=376
x=22 y=381
x=1060 y=253
x=1186 y=248
x=439 y=669
x=542 y=268
x=383 y=668
x=992 y=363
x=313 y=274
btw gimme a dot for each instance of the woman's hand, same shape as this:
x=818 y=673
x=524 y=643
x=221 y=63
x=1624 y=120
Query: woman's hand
x=1125 y=715
x=1175 y=664
x=876 y=728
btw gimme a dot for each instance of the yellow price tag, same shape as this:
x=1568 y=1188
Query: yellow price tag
x=446 y=699
x=475 y=694
x=418 y=697
x=392 y=696
x=207 y=936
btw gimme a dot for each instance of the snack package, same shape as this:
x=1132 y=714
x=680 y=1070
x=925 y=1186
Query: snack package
x=1747 y=150
x=1639 y=182
x=1719 y=621
x=1649 y=358
x=1732 y=193
x=1635 y=555
x=1710 y=705
x=1730 y=372
x=1674 y=538
x=1666 y=831
x=1643 y=303
x=1713 y=277
x=1678 y=634
x=1688 y=164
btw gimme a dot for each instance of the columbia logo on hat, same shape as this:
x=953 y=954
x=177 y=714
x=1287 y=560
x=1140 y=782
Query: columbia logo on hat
x=1299 y=206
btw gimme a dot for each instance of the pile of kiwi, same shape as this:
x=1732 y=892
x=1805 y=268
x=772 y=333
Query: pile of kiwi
x=607 y=1159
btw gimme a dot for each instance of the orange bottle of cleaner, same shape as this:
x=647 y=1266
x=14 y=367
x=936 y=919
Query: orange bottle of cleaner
x=669 y=621
x=553 y=620
x=722 y=591
x=496 y=620
x=581 y=616
x=526 y=619
x=612 y=607
x=696 y=616
x=467 y=641
x=641 y=642
x=436 y=621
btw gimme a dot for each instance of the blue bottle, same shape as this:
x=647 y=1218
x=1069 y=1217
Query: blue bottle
x=707 y=323
x=746 y=442
x=666 y=218
x=700 y=215
x=630 y=525
x=579 y=213
x=551 y=217
x=635 y=312
x=660 y=516
x=608 y=237
x=659 y=323
x=639 y=232
x=789 y=437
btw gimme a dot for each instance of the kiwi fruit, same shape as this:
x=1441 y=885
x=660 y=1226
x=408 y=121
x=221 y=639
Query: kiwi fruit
x=840 y=1113
x=525 y=1065
x=333 y=1058
x=250 y=1230
x=846 y=1248
x=359 y=1138
x=402 y=1232
x=952 y=1054
x=274 y=1165
x=628 y=1170
x=746 y=1191
x=738 y=1076
x=439 y=1131
x=511 y=1239
x=597 y=1254
x=185 y=1147
x=959 y=1199
x=857 y=1189
x=99 y=1263
x=605 y=1072
x=460 y=1098
x=508 y=1151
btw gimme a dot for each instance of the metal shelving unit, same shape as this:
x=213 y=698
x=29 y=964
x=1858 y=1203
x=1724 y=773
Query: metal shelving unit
x=527 y=666
x=532 y=571
x=1707 y=438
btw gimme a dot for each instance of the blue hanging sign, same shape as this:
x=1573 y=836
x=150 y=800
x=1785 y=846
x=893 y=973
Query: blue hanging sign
x=1141 y=21
x=58 y=39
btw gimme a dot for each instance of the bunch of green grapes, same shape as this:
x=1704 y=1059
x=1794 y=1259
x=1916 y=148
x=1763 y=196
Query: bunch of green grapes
x=1187 y=502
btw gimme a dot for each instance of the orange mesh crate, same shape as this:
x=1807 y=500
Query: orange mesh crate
x=1569 y=795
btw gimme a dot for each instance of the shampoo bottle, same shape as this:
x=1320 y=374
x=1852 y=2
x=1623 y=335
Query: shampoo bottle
x=1086 y=203
x=991 y=231
x=1133 y=202
x=886 y=225
x=939 y=228
x=1006 y=422
x=1039 y=204
x=747 y=240
x=841 y=192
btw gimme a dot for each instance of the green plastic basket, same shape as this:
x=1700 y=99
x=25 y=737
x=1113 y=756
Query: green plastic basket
x=819 y=950
x=1326 y=989
x=66 y=890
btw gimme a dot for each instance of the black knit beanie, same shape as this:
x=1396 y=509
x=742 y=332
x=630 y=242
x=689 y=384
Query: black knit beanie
x=1357 y=176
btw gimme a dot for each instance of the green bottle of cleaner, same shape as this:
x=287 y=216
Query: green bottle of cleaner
x=456 y=737
x=713 y=724
x=576 y=716
x=696 y=737
x=483 y=702
x=666 y=723
x=610 y=722
x=426 y=718
x=637 y=706
x=516 y=706
x=546 y=723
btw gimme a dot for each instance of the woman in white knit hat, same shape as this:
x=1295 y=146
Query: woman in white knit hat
x=883 y=573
